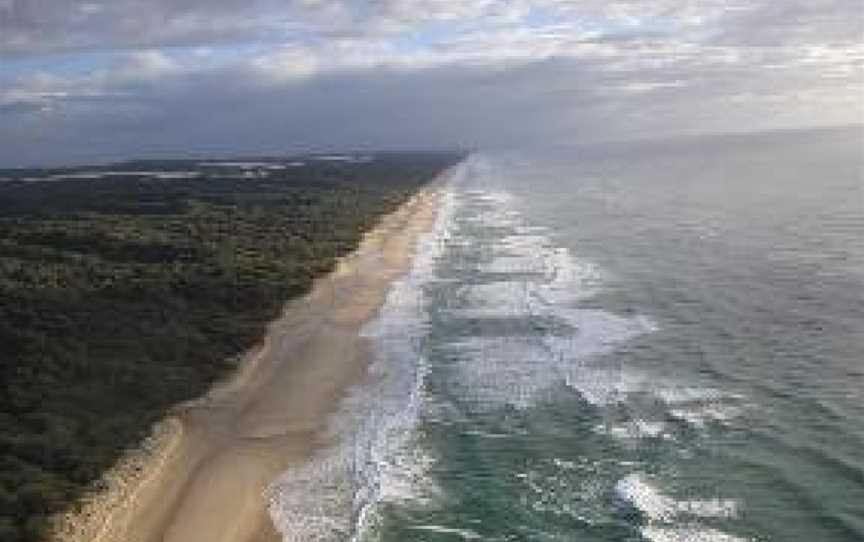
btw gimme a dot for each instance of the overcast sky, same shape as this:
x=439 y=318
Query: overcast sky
x=107 y=79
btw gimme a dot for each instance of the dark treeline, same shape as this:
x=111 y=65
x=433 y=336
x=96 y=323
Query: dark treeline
x=122 y=297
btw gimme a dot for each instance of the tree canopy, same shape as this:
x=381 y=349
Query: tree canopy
x=122 y=296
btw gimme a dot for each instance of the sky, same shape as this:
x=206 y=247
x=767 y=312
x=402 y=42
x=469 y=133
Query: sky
x=101 y=80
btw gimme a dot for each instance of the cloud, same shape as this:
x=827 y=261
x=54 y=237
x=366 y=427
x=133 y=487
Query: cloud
x=38 y=26
x=794 y=22
x=97 y=79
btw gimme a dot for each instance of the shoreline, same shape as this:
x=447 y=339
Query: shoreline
x=204 y=472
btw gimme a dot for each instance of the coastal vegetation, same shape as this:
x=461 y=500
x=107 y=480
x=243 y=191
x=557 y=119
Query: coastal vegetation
x=122 y=296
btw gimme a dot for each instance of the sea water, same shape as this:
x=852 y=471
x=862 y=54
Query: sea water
x=654 y=341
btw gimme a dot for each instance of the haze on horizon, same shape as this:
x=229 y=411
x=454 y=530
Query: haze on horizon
x=101 y=80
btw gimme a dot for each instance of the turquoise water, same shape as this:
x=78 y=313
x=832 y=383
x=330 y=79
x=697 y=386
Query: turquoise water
x=657 y=341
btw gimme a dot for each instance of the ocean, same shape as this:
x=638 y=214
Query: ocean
x=651 y=341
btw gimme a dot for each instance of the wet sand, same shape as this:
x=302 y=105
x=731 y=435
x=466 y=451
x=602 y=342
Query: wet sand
x=207 y=480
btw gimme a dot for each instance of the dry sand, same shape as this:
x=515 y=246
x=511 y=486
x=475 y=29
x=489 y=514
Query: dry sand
x=206 y=476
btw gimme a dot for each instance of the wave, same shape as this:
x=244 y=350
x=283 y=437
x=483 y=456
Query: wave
x=495 y=310
x=666 y=519
x=686 y=533
x=638 y=491
x=334 y=496
x=520 y=329
x=549 y=338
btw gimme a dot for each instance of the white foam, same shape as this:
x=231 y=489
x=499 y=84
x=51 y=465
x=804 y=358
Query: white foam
x=700 y=406
x=559 y=278
x=324 y=518
x=697 y=406
x=599 y=333
x=492 y=218
x=502 y=370
x=514 y=263
x=686 y=394
x=464 y=534
x=537 y=279
x=638 y=491
x=496 y=198
x=702 y=415
x=546 y=280
x=711 y=508
x=532 y=244
x=549 y=281
x=394 y=465
x=496 y=299
x=635 y=430
x=569 y=279
x=656 y=533
x=518 y=370
x=671 y=520
x=377 y=457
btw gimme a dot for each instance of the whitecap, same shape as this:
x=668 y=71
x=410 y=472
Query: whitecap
x=377 y=456
x=635 y=430
x=464 y=534
x=690 y=533
x=638 y=491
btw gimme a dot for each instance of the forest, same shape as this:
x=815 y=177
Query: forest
x=122 y=296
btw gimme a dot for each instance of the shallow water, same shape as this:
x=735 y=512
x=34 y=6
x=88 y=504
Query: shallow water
x=657 y=341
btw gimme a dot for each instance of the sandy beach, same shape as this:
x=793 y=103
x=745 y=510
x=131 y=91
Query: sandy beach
x=207 y=473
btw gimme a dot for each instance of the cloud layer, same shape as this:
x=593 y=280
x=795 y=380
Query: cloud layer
x=95 y=80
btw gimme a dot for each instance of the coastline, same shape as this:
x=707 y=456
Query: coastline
x=204 y=472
